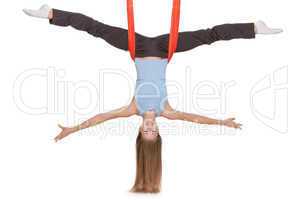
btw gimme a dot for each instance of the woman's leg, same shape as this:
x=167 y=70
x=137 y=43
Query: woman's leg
x=190 y=39
x=115 y=36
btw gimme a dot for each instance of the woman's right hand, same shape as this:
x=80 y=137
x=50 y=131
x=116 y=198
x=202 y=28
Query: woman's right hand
x=65 y=131
x=229 y=122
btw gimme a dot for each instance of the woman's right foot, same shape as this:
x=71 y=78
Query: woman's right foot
x=43 y=12
x=262 y=28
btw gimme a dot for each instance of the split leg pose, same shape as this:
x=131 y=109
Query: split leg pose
x=151 y=61
x=151 y=46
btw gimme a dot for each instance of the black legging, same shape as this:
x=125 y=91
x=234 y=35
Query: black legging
x=151 y=46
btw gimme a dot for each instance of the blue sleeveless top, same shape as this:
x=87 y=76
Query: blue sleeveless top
x=150 y=90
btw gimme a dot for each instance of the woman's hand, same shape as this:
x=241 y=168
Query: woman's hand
x=64 y=132
x=231 y=123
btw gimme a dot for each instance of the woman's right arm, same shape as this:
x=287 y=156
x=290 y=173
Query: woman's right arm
x=173 y=114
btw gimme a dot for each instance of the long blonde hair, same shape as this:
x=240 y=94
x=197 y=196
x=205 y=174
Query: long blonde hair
x=148 y=165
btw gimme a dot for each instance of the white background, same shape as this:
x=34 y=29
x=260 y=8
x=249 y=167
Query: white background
x=261 y=161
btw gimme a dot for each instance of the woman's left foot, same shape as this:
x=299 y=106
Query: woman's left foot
x=42 y=12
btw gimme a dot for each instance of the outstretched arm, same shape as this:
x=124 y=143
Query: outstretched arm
x=125 y=111
x=172 y=114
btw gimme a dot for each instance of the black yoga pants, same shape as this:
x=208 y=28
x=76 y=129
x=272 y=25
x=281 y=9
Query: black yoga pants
x=151 y=46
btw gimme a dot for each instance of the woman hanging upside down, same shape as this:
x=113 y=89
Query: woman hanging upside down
x=150 y=97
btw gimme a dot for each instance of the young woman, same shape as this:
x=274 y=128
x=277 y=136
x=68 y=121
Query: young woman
x=150 y=98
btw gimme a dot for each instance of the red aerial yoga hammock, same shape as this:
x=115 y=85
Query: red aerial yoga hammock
x=173 y=36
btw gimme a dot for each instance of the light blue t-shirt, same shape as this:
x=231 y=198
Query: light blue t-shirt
x=150 y=89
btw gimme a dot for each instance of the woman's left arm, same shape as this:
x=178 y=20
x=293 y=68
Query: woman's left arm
x=125 y=111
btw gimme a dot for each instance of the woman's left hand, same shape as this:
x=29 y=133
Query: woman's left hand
x=64 y=132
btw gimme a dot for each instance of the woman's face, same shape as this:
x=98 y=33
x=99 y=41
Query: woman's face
x=149 y=129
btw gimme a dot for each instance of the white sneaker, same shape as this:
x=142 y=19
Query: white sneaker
x=43 y=12
x=262 y=28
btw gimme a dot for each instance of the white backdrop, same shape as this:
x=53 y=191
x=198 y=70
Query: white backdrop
x=52 y=74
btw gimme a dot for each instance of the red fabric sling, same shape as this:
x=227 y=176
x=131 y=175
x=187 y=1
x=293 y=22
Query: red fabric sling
x=173 y=36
